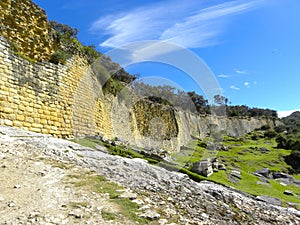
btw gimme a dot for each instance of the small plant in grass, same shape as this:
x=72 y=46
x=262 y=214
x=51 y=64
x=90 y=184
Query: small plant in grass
x=108 y=215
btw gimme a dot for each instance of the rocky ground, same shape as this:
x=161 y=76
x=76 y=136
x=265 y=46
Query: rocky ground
x=40 y=184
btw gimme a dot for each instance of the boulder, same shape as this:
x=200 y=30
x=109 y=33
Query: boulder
x=236 y=174
x=297 y=182
x=264 y=150
x=203 y=167
x=264 y=172
x=288 y=192
x=269 y=200
x=150 y=214
x=277 y=175
x=222 y=167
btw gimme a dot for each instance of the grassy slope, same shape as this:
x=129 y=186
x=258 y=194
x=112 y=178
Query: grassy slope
x=242 y=155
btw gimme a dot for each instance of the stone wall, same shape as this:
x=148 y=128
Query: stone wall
x=62 y=100
x=26 y=26
x=67 y=100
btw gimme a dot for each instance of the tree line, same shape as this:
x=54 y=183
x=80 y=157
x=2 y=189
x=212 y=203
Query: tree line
x=196 y=103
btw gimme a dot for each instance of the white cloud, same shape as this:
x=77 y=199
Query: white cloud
x=223 y=76
x=190 y=25
x=282 y=114
x=247 y=84
x=241 y=71
x=234 y=88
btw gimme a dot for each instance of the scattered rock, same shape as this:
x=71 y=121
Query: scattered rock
x=288 y=192
x=297 y=182
x=203 y=167
x=183 y=199
x=264 y=150
x=277 y=175
x=150 y=214
x=264 y=172
x=222 y=167
x=17 y=186
x=76 y=214
x=11 y=204
x=128 y=195
x=163 y=221
x=263 y=183
x=236 y=174
x=269 y=200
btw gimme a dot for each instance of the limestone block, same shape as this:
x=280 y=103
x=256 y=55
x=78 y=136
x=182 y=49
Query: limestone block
x=7 y=122
x=20 y=117
x=17 y=124
x=33 y=129
x=36 y=125
x=7 y=110
x=29 y=119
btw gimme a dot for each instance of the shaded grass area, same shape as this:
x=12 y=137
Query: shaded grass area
x=114 y=150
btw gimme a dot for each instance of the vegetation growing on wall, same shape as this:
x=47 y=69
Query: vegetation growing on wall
x=66 y=44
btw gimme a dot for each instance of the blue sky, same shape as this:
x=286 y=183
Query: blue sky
x=252 y=47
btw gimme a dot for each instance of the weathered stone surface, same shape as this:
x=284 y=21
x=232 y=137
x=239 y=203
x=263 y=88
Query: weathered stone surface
x=264 y=172
x=269 y=200
x=288 y=192
x=203 y=167
x=172 y=195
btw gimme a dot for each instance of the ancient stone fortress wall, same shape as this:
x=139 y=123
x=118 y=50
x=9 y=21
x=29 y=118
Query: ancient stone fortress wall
x=67 y=100
x=62 y=100
x=26 y=26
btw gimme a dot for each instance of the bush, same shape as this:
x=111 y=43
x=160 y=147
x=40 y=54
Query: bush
x=265 y=127
x=270 y=134
x=60 y=57
x=294 y=161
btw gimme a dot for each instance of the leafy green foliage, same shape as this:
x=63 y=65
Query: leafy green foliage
x=67 y=44
x=289 y=141
x=60 y=57
x=193 y=102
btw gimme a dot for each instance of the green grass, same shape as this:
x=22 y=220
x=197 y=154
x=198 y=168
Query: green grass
x=108 y=215
x=99 y=184
x=244 y=154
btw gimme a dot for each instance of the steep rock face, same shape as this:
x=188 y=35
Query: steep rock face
x=26 y=25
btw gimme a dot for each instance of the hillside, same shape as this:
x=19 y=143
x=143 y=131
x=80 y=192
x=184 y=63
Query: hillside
x=81 y=145
x=50 y=180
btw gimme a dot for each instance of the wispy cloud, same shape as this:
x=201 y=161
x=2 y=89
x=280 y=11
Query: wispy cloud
x=247 y=84
x=241 y=71
x=234 y=88
x=190 y=25
x=223 y=76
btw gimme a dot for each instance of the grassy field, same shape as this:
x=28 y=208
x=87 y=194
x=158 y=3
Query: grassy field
x=244 y=154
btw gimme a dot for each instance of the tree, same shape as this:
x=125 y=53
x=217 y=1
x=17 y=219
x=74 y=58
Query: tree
x=220 y=100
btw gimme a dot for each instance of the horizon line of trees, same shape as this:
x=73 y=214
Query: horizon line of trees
x=193 y=102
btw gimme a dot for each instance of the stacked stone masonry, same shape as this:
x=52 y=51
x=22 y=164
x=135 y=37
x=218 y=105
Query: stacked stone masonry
x=67 y=100
x=50 y=99
x=26 y=26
